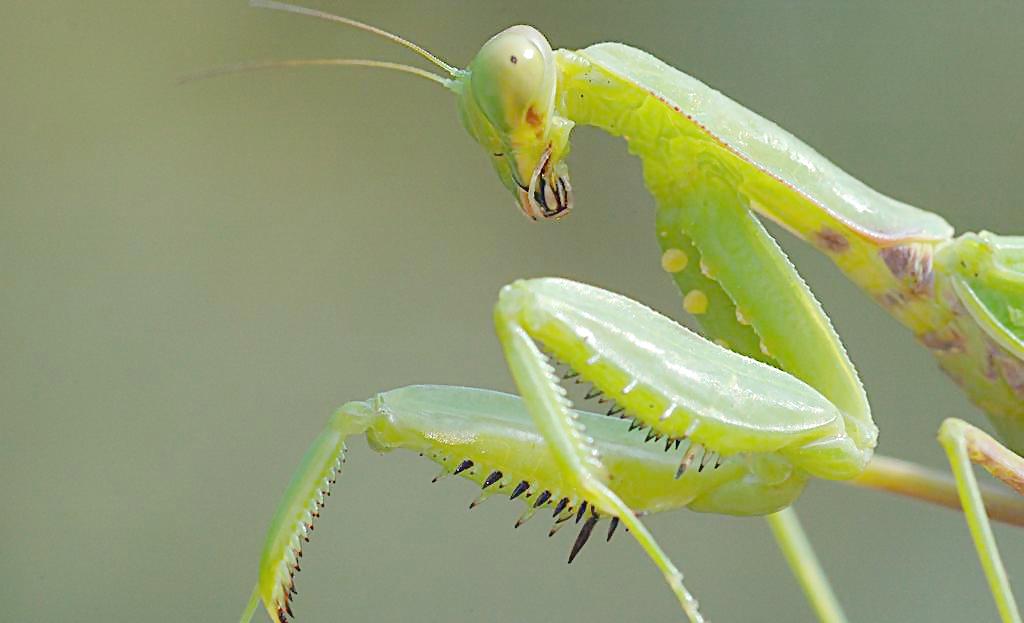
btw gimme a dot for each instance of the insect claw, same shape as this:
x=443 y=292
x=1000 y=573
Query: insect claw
x=593 y=393
x=570 y=374
x=611 y=528
x=615 y=410
x=635 y=424
x=543 y=497
x=581 y=538
x=519 y=490
x=463 y=466
x=582 y=509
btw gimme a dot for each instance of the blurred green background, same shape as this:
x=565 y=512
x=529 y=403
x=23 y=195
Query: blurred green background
x=192 y=277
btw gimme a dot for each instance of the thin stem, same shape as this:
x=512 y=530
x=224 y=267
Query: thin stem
x=805 y=565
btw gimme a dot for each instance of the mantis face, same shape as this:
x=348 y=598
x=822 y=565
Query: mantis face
x=507 y=103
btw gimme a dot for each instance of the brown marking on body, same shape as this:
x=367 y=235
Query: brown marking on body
x=911 y=263
x=894 y=298
x=991 y=354
x=997 y=460
x=897 y=259
x=953 y=302
x=831 y=240
x=943 y=342
x=1011 y=369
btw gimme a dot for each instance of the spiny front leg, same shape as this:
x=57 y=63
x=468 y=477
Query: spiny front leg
x=488 y=437
x=682 y=386
x=301 y=504
x=575 y=452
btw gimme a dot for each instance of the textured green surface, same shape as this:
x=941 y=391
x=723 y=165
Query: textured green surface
x=195 y=277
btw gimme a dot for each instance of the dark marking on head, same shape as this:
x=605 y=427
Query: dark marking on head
x=832 y=241
x=512 y=59
x=533 y=118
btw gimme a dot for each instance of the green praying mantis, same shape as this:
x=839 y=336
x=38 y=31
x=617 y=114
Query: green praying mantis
x=735 y=422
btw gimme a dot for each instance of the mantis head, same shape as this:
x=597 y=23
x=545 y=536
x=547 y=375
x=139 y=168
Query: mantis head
x=506 y=100
x=507 y=103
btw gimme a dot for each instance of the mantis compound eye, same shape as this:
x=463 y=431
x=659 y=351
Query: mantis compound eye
x=513 y=83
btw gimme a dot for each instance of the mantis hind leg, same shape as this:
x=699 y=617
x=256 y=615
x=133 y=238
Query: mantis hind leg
x=964 y=445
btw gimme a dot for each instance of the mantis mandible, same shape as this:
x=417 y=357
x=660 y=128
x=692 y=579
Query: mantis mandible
x=765 y=401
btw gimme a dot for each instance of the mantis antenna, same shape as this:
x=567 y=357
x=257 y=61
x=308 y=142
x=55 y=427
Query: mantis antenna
x=349 y=62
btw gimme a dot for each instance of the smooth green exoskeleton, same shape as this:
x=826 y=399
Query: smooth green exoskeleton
x=747 y=414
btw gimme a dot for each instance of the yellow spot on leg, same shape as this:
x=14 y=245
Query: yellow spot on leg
x=674 y=260
x=695 y=302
